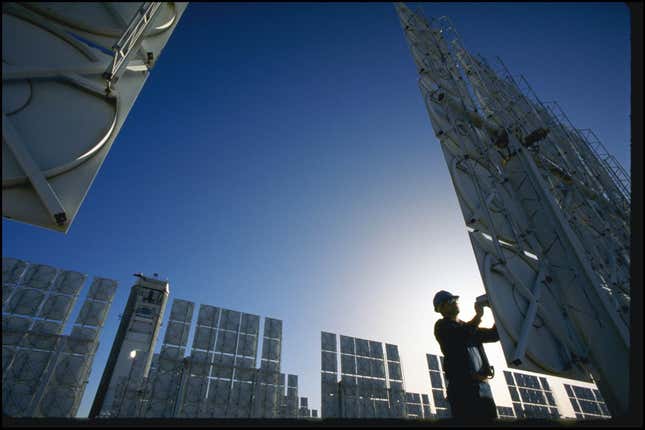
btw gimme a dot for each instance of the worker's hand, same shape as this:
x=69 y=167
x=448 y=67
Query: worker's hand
x=479 y=309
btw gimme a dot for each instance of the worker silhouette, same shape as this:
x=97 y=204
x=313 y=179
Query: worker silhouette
x=465 y=361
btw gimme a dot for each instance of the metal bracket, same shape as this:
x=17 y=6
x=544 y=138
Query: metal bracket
x=43 y=188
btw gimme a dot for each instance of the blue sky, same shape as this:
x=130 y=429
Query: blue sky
x=280 y=161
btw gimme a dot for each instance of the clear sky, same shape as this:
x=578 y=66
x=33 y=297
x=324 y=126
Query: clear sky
x=280 y=161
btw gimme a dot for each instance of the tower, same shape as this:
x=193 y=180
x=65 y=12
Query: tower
x=133 y=346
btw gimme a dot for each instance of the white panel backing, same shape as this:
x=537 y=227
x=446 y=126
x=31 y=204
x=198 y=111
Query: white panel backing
x=43 y=183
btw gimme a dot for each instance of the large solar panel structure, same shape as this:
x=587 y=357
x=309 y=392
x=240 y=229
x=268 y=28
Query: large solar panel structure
x=219 y=378
x=93 y=58
x=438 y=385
x=531 y=395
x=44 y=373
x=547 y=213
x=371 y=381
x=587 y=403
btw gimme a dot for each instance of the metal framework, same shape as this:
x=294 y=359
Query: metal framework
x=547 y=209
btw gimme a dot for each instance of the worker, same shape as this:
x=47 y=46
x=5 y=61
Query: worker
x=465 y=363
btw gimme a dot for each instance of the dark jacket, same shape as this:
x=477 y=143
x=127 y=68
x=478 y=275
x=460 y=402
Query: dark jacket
x=460 y=344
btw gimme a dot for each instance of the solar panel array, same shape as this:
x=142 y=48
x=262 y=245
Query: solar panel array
x=44 y=371
x=531 y=395
x=438 y=384
x=371 y=380
x=417 y=406
x=219 y=378
x=587 y=403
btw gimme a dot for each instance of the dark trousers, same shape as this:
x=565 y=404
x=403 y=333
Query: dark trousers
x=467 y=406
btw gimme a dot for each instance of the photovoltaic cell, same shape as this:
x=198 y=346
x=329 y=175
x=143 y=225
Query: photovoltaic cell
x=394 y=371
x=58 y=402
x=176 y=333
x=376 y=349
x=12 y=270
x=82 y=340
x=182 y=311
x=250 y=324
x=56 y=307
x=433 y=362
x=93 y=313
x=208 y=316
x=392 y=352
x=347 y=364
x=328 y=361
x=39 y=276
x=26 y=301
x=362 y=347
x=102 y=289
x=204 y=338
x=247 y=345
x=347 y=345
x=226 y=342
x=328 y=341
x=271 y=349
x=273 y=328
x=69 y=282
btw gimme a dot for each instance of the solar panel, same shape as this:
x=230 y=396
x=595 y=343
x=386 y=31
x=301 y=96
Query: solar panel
x=182 y=311
x=176 y=333
x=93 y=313
x=271 y=349
x=247 y=345
x=69 y=282
x=250 y=324
x=394 y=371
x=13 y=329
x=29 y=365
x=226 y=342
x=58 y=402
x=70 y=370
x=270 y=366
x=328 y=361
x=208 y=315
x=292 y=381
x=347 y=345
x=376 y=349
x=230 y=320
x=25 y=301
x=102 y=289
x=362 y=366
x=392 y=352
x=204 y=338
x=195 y=390
x=362 y=347
x=273 y=328
x=200 y=363
x=12 y=270
x=7 y=290
x=170 y=358
x=348 y=364
x=39 y=276
x=82 y=340
x=57 y=307
x=433 y=362
x=328 y=341
x=43 y=335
